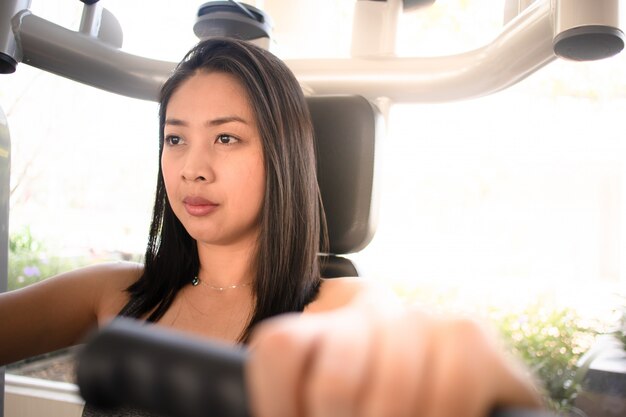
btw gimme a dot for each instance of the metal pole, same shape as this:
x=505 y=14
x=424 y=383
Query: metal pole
x=5 y=166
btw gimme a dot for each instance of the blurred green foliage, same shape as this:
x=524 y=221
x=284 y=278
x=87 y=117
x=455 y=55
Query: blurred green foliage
x=31 y=261
x=548 y=339
x=551 y=342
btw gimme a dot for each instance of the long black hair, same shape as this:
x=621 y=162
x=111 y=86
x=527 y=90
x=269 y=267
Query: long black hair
x=292 y=221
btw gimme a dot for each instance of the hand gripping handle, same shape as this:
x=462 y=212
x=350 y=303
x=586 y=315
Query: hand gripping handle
x=166 y=372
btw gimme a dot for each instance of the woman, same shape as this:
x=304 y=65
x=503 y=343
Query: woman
x=234 y=241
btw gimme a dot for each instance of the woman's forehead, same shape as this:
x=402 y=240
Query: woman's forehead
x=215 y=94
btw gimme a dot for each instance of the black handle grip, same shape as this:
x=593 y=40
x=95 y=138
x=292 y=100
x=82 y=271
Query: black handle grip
x=134 y=364
x=166 y=372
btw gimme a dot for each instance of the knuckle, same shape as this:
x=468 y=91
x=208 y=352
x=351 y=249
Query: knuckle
x=331 y=387
x=465 y=330
x=385 y=404
x=277 y=339
x=274 y=341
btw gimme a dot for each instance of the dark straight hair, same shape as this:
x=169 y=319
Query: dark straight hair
x=292 y=219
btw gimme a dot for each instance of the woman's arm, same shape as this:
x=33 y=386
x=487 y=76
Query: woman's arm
x=58 y=311
x=364 y=359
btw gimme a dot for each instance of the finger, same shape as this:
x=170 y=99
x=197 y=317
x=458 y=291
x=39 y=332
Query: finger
x=463 y=383
x=514 y=386
x=279 y=356
x=339 y=368
x=497 y=379
x=398 y=382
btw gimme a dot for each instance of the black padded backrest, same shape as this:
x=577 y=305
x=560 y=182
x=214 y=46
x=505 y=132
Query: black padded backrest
x=346 y=130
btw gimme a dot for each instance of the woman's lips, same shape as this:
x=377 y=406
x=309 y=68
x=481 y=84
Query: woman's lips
x=198 y=206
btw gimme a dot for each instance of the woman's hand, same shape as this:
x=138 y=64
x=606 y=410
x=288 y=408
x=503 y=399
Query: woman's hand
x=365 y=363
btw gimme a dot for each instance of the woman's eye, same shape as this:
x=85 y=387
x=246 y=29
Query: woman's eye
x=173 y=140
x=226 y=140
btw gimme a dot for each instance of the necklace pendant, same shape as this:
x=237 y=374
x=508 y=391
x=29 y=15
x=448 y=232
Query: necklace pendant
x=195 y=281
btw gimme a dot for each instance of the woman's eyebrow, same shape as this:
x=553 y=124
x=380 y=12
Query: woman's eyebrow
x=225 y=119
x=175 y=122
x=213 y=122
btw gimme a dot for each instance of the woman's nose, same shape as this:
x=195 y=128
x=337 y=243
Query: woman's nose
x=197 y=168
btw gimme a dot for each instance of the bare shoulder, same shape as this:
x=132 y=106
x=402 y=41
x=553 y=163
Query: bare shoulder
x=103 y=278
x=113 y=279
x=104 y=285
x=108 y=273
x=58 y=311
x=90 y=282
x=115 y=274
x=341 y=292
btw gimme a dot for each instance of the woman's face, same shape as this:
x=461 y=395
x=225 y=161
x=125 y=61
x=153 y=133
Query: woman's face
x=212 y=160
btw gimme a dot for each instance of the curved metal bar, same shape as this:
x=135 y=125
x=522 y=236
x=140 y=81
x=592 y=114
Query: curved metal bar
x=88 y=60
x=522 y=48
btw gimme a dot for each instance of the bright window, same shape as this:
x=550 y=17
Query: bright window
x=513 y=194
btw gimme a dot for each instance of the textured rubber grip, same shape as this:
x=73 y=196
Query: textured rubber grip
x=162 y=371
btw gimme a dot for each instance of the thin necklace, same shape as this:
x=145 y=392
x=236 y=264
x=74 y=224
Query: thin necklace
x=195 y=281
